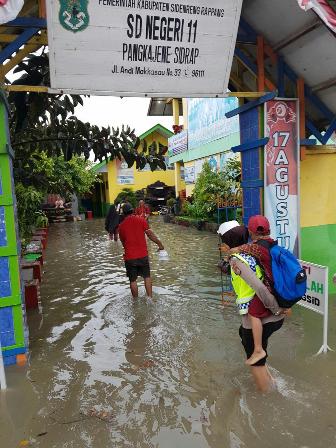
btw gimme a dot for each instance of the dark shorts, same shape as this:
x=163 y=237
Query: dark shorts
x=246 y=337
x=137 y=267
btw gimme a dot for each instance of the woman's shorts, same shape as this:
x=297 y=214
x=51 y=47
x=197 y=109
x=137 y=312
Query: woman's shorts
x=246 y=337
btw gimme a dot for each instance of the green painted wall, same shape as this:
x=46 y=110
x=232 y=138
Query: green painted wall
x=318 y=246
x=215 y=147
x=12 y=311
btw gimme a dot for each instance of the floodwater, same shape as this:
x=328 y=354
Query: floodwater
x=107 y=371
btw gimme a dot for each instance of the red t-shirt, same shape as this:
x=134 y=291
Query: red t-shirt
x=132 y=235
x=142 y=211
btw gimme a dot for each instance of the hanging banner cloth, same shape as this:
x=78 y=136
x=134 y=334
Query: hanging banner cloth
x=9 y=9
x=322 y=9
x=282 y=172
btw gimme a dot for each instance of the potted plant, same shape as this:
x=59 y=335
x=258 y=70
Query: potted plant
x=170 y=204
x=41 y=220
x=82 y=212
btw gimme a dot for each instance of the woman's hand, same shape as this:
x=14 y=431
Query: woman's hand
x=234 y=267
x=224 y=248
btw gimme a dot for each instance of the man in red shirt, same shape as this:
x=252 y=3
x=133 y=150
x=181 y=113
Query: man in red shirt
x=142 y=210
x=132 y=234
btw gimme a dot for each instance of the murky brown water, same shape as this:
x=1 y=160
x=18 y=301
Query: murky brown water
x=106 y=371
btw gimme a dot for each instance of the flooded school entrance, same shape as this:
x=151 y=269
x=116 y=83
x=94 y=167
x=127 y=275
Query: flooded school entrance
x=109 y=371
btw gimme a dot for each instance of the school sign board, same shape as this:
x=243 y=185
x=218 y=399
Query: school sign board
x=281 y=175
x=316 y=297
x=125 y=175
x=167 y=48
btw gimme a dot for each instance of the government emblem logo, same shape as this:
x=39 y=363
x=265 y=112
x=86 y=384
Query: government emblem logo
x=74 y=15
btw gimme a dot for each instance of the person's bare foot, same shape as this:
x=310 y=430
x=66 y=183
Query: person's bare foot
x=255 y=357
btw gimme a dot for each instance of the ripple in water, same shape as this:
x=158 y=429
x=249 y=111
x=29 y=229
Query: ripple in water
x=110 y=371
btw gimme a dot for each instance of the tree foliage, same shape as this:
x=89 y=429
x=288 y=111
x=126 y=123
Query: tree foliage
x=40 y=175
x=46 y=122
x=52 y=146
x=210 y=186
x=126 y=195
x=28 y=204
x=232 y=170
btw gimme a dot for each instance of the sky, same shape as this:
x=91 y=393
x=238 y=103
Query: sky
x=115 y=111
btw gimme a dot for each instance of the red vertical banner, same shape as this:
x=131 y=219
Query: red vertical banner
x=281 y=192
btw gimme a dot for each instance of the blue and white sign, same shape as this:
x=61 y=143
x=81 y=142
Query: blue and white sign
x=207 y=121
x=125 y=175
x=213 y=162
x=189 y=174
x=224 y=158
x=178 y=143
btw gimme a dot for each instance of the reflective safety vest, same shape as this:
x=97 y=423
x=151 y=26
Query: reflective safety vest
x=243 y=291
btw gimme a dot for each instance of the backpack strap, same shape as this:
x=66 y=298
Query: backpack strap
x=268 y=245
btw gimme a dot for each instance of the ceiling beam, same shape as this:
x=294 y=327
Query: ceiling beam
x=40 y=39
x=28 y=7
x=297 y=35
x=324 y=85
x=20 y=55
x=24 y=88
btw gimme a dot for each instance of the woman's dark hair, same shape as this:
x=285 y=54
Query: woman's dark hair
x=236 y=237
x=112 y=219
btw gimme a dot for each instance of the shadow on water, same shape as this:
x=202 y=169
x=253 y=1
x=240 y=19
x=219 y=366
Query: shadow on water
x=107 y=371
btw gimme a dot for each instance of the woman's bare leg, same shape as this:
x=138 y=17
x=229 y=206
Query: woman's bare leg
x=262 y=378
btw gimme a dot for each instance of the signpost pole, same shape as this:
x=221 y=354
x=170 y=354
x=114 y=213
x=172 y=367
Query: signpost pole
x=325 y=347
x=3 y=383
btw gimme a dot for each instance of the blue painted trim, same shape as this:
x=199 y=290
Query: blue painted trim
x=9 y=360
x=252 y=183
x=251 y=104
x=14 y=46
x=250 y=145
x=308 y=141
x=247 y=61
x=290 y=73
x=310 y=125
x=329 y=131
x=321 y=138
x=318 y=103
x=229 y=207
x=246 y=38
x=246 y=27
x=28 y=22
x=308 y=93
x=14 y=351
x=281 y=76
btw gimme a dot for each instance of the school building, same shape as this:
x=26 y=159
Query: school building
x=207 y=136
x=116 y=175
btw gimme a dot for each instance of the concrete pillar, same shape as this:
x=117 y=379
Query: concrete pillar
x=176 y=111
x=178 y=181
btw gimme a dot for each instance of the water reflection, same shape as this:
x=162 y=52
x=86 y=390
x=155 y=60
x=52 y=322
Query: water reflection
x=109 y=371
